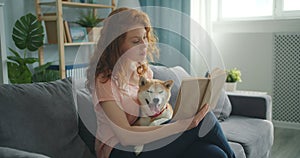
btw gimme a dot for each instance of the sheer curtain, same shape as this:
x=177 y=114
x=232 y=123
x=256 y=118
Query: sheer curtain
x=204 y=54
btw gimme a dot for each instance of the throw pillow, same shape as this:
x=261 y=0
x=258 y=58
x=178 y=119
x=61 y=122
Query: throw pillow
x=42 y=119
x=174 y=73
x=223 y=108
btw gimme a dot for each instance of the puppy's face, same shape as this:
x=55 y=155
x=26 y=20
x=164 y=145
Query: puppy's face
x=153 y=95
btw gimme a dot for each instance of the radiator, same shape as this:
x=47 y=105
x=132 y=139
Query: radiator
x=286 y=77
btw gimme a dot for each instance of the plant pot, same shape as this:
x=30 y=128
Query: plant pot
x=230 y=86
x=93 y=33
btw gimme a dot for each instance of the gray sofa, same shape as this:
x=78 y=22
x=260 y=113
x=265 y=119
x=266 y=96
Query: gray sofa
x=56 y=119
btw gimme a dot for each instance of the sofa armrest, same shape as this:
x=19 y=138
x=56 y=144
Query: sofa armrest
x=6 y=152
x=256 y=105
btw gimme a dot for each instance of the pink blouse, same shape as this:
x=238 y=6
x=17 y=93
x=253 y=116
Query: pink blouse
x=109 y=91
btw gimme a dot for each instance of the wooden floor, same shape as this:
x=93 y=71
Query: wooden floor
x=286 y=143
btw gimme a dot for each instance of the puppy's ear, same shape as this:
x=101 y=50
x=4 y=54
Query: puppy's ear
x=168 y=84
x=143 y=81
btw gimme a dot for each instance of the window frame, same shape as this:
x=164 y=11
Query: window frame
x=280 y=13
x=277 y=13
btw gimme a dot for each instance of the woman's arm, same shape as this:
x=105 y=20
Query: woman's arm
x=137 y=135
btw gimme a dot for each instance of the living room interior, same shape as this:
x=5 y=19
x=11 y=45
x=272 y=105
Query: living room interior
x=260 y=38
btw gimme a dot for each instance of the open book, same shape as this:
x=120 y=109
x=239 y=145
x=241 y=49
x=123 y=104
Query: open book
x=195 y=92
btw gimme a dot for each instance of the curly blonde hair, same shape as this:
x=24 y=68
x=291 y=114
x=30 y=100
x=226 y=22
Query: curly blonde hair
x=113 y=33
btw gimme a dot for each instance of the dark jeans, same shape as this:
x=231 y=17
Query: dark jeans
x=186 y=145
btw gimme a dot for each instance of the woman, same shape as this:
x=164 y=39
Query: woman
x=126 y=41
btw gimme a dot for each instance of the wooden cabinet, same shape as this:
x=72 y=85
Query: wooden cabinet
x=3 y=66
x=58 y=17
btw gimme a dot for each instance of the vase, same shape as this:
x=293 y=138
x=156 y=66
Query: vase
x=93 y=33
x=230 y=86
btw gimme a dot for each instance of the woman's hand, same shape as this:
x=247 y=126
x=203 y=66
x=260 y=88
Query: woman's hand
x=194 y=121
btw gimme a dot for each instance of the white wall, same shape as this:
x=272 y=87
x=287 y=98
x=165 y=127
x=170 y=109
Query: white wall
x=252 y=54
x=248 y=45
x=11 y=13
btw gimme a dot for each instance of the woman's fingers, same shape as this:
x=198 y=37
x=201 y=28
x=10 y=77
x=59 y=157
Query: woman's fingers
x=203 y=111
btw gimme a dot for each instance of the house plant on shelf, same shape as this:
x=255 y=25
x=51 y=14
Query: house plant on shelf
x=90 y=21
x=233 y=76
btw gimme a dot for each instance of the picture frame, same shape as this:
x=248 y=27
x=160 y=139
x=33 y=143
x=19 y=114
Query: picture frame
x=78 y=34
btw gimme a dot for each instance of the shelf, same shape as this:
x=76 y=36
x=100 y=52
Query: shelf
x=79 y=44
x=77 y=4
x=69 y=66
x=58 y=18
x=73 y=44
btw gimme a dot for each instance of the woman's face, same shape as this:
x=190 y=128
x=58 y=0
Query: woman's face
x=135 y=45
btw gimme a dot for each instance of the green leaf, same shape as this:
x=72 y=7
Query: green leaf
x=46 y=76
x=42 y=74
x=233 y=75
x=14 y=52
x=30 y=60
x=19 y=60
x=28 y=33
x=42 y=67
x=88 y=20
x=18 y=74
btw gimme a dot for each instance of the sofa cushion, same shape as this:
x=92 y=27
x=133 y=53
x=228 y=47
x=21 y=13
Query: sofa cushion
x=255 y=135
x=42 y=118
x=14 y=153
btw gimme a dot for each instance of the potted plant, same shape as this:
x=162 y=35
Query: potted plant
x=233 y=76
x=28 y=35
x=90 y=22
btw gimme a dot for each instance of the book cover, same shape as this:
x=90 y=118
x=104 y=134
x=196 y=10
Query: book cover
x=67 y=32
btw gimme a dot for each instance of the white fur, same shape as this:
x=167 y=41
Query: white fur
x=153 y=93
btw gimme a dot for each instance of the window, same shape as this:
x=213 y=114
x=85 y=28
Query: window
x=236 y=9
x=291 y=5
x=258 y=9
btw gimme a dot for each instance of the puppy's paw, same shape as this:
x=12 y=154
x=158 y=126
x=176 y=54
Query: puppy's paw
x=158 y=122
x=138 y=149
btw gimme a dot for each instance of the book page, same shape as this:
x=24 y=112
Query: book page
x=190 y=95
x=196 y=92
